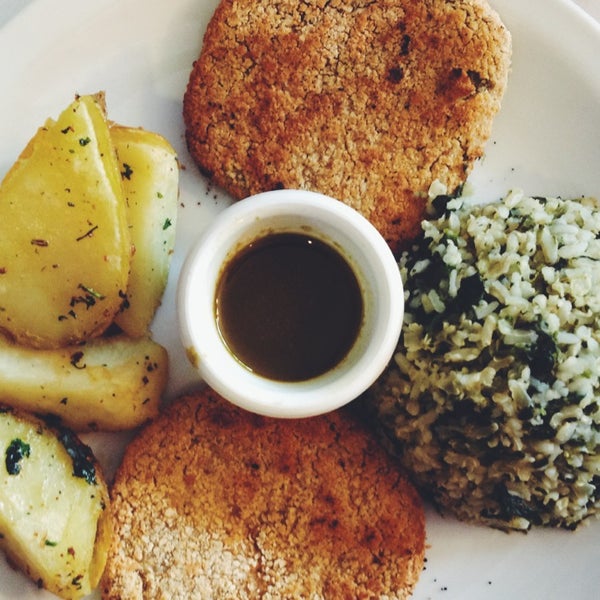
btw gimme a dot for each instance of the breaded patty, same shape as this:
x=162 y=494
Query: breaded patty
x=368 y=102
x=215 y=502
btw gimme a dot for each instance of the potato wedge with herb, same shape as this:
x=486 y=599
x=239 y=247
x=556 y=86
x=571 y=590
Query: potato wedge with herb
x=54 y=522
x=64 y=241
x=150 y=172
x=107 y=384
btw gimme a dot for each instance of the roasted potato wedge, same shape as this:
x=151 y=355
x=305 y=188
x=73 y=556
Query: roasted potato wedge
x=64 y=241
x=148 y=164
x=107 y=384
x=54 y=522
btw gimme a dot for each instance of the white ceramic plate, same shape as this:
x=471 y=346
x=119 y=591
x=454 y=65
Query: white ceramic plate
x=546 y=140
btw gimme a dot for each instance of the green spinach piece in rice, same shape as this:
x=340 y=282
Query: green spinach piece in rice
x=491 y=400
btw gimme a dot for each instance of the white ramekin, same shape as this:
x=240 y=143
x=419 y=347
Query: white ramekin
x=331 y=221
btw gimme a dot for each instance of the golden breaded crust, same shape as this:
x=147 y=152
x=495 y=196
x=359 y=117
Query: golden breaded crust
x=368 y=102
x=214 y=502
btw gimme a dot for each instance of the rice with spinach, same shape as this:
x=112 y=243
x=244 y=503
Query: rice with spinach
x=492 y=397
